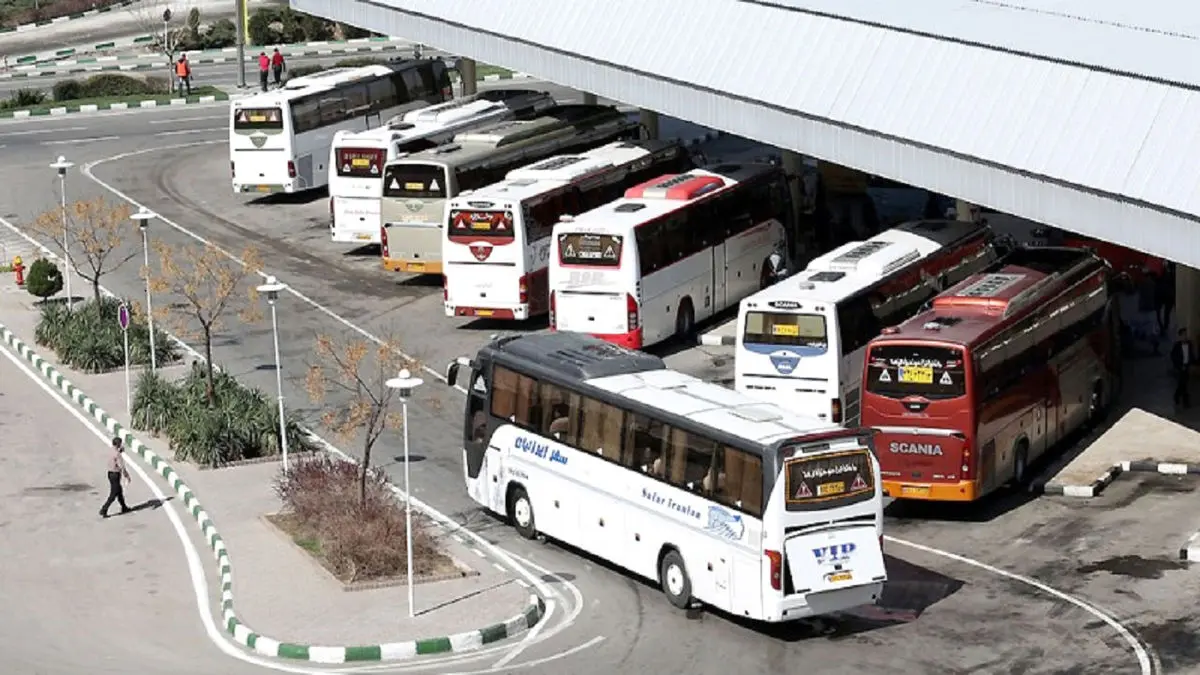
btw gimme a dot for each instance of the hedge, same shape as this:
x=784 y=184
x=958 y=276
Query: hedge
x=88 y=337
x=105 y=84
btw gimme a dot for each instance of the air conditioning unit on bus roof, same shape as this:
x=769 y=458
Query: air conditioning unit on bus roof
x=874 y=258
x=676 y=187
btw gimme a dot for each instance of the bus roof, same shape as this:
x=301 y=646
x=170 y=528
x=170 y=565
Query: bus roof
x=461 y=113
x=316 y=83
x=665 y=194
x=639 y=380
x=556 y=172
x=563 y=123
x=978 y=306
x=855 y=266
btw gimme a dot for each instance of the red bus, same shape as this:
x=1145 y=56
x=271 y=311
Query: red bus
x=967 y=394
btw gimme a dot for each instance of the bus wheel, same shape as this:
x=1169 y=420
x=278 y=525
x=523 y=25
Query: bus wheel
x=675 y=582
x=520 y=509
x=685 y=321
x=1021 y=466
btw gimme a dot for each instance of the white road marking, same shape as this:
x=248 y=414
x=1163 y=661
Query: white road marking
x=190 y=131
x=72 y=141
x=189 y=119
x=479 y=553
x=500 y=567
x=32 y=132
x=1139 y=650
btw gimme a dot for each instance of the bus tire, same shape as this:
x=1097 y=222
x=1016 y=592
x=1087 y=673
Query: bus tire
x=673 y=576
x=520 y=511
x=1020 y=466
x=685 y=320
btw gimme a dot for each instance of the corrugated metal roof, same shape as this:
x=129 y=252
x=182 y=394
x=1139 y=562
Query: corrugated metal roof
x=893 y=102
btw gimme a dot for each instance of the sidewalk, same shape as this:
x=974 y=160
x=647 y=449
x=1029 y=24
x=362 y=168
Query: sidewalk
x=280 y=590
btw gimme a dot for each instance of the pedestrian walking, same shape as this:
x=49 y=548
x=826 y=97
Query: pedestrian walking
x=264 y=69
x=1182 y=357
x=116 y=473
x=183 y=74
x=1165 y=299
x=277 y=67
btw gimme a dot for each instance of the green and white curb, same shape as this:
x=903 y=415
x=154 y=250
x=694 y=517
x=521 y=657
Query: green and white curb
x=124 y=105
x=70 y=17
x=63 y=56
x=243 y=634
x=30 y=60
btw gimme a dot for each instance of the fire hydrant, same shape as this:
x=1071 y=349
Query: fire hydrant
x=19 y=270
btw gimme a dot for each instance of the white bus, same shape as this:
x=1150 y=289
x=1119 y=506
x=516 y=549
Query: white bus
x=675 y=250
x=416 y=187
x=357 y=158
x=800 y=343
x=279 y=140
x=719 y=498
x=496 y=252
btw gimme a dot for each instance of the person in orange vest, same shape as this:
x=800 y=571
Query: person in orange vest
x=264 y=68
x=183 y=73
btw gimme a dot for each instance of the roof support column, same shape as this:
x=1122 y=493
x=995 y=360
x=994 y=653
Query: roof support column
x=966 y=211
x=793 y=166
x=1187 y=300
x=466 y=68
x=589 y=99
x=649 y=119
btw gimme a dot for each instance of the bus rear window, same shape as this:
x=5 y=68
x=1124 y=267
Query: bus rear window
x=897 y=371
x=594 y=250
x=828 y=481
x=480 y=223
x=784 y=329
x=359 y=162
x=258 y=118
x=414 y=181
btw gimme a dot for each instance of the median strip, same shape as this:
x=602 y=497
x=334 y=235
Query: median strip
x=22 y=28
x=115 y=103
x=243 y=634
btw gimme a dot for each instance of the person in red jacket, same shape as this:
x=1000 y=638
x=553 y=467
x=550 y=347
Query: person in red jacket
x=277 y=66
x=264 y=67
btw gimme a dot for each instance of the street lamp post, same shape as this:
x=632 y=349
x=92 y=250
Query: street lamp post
x=61 y=165
x=143 y=217
x=404 y=385
x=272 y=289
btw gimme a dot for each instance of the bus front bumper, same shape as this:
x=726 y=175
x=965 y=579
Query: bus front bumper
x=961 y=491
x=412 y=267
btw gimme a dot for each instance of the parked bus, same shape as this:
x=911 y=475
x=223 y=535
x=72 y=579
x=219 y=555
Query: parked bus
x=416 y=187
x=357 y=158
x=966 y=395
x=800 y=343
x=497 y=247
x=675 y=250
x=279 y=140
x=718 y=497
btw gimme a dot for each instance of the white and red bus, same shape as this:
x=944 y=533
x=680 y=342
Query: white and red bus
x=968 y=394
x=675 y=250
x=496 y=252
x=357 y=157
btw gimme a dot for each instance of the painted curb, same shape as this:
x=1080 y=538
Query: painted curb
x=261 y=644
x=1190 y=551
x=31 y=60
x=711 y=339
x=125 y=105
x=63 y=56
x=1105 y=479
x=24 y=27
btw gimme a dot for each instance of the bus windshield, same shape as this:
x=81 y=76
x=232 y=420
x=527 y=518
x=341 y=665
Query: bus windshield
x=593 y=250
x=931 y=372
x=785 y=329
x=829 y=480
x=360 y=162
x=414 y=181
x=466 y=223
x=250 y=119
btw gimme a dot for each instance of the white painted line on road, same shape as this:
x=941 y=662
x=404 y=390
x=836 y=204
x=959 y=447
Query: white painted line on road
x=69 y=141
x=459 y=539
x=188 y=119
x=479 y=553
x=1139 y=650
x=523 y=583
x=32 y=132
x=500 y=567
x=179 y=132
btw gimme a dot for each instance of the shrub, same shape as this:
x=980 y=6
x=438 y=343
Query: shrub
x=358 y=62
x=157 y=84
x=44 y=279
x=357 y=540
x=307 y=69
x=222 y=33
x=24 y=98
x=67 y=90
x=89 y=339
x=154 y=403
x=113 y=84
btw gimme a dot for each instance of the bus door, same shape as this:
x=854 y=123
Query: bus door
x=714 y=297
x=477 y=433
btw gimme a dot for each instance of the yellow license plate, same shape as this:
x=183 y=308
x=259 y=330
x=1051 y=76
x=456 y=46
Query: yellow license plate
x=258 y=118
x=785 y=330
x=416 y=267
x=835 y=488
x=916 y=374
x=414 y=187
x=363 y=237
x=484 y=312
x=360 y=162
x=837 y=577
x=481 y=226
x=914 y=491
x=263 y=188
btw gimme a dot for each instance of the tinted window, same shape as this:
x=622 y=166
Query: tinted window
x=382 y=94
x=333 y=108
x=897 y=371
x=857 y=323
x=356 y=100
x=782 y=328
x=595 y=250
x=418 y=88
x=306 y=114
x=828 y=481
x=492 y=224
x=258 y=118
x=414 y=181
x=359 y=162
x=739 y=480
x=541 y=217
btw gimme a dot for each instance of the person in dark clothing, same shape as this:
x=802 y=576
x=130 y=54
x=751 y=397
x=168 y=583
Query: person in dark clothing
x=277 y=67
x=1183 y=354
x=1164 y=299
x=116 y=472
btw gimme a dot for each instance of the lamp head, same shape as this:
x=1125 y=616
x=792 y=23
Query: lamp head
x=404 y=383
x=143 y=217
x=61 y=165
x=271 y=289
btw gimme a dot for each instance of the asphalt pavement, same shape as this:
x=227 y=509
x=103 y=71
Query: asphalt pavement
x=1011 y=585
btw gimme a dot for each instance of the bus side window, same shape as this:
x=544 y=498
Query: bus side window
x=560 y=414
x=475 y=412
x=528 y=407
x=600 y=429
x=741 y=485
x=504 y=393
x=645 y=438
x=698 y=461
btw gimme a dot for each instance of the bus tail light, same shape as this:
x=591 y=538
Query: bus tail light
x=631 y=308
x=232 y=170
x=523 y=289
x=835 y=410
x=383 y=241
x=552 y=303
x=445 y=288
x=291 y=169
x=776 y=560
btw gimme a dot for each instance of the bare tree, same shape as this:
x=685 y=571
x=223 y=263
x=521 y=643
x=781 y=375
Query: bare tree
x=97 y=237
x=211 y=284
x=356 y=373
x=167 y=23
